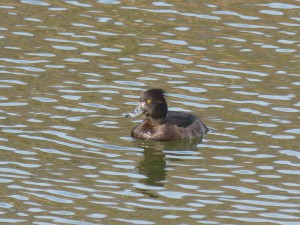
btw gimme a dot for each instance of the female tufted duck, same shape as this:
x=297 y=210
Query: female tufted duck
x=162 y=125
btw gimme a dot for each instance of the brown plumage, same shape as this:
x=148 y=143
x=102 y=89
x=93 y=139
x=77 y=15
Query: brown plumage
x=163 y=125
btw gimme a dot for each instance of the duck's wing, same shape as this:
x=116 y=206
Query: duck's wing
x=181 y=119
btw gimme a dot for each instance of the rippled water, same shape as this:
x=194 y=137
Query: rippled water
x=70 y=69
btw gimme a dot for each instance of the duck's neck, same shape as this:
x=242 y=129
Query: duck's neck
x=154 y=121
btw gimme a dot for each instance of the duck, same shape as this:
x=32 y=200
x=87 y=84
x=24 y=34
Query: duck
x=160 y=124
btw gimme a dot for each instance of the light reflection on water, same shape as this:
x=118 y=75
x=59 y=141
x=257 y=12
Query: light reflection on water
x=70 y=70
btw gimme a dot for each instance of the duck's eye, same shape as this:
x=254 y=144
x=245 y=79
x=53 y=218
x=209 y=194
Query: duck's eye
x=148 y=101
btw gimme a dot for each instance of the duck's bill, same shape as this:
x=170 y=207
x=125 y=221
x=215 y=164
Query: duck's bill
x=137 y=111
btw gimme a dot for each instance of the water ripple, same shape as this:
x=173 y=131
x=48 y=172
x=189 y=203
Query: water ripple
x=71 y=69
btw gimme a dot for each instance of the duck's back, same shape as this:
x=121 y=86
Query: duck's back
x=185 y=125
x=180 y=119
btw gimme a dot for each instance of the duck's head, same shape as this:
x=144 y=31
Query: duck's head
x=152 y=104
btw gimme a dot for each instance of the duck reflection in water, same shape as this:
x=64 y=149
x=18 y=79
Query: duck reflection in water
x=162 y=125
x=154 y=164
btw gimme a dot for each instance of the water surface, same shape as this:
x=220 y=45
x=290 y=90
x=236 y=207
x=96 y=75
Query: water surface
x=71 y=69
